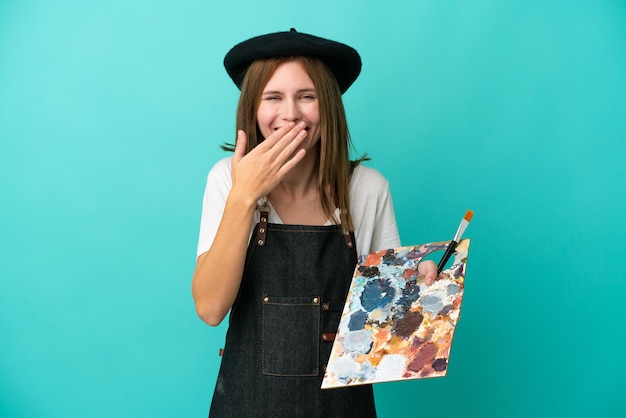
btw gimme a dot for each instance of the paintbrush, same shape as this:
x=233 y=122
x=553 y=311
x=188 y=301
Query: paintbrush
x=457 y=237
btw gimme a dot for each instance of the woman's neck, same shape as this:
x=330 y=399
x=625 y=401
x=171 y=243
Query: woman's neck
x=296 y=198
x=301 y=180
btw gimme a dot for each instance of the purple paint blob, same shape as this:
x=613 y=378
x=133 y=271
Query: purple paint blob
x=440 y=364
x=425 y=355
x=446 y=310
x=414 y=254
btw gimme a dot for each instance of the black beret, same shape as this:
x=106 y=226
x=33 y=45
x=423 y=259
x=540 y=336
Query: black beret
x=343 y=61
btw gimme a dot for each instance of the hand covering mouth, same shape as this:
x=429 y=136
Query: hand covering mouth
x=306 y=128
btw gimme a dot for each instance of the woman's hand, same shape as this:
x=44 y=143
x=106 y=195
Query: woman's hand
x=218 y=273
x=428 y=269
x=257 y=173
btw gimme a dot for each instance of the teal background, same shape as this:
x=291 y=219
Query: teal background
x=110 y=117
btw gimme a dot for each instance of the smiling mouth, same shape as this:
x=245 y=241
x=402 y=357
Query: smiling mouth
x=306 y=129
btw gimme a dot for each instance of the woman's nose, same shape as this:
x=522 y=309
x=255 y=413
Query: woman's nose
x=290 y=111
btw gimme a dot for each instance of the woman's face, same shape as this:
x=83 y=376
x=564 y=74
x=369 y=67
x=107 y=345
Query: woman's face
x=290 y=96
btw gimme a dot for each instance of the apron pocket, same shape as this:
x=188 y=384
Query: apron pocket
x=290 y=336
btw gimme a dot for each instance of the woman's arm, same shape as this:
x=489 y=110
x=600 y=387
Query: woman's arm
x=218 y=272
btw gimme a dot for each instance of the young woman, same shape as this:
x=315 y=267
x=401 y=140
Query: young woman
x=282 y=223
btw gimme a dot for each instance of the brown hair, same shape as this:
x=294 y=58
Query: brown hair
x=334 y=164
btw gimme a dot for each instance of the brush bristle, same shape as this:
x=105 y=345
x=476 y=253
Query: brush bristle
x=468 y=215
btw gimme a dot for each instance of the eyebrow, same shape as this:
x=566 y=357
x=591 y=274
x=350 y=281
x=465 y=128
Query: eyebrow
x=308 y=90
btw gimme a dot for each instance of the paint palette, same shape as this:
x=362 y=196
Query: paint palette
x=394 y=326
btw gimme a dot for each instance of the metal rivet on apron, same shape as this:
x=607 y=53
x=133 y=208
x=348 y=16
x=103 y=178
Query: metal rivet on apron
x=315 y=300
x=266 y=299
x=326 y=306
x=349 y=245
x=262 y=227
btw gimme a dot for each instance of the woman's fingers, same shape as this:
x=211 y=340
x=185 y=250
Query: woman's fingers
x=240 y=145
x=240 y=151
x=291 y=162
x=287 y=137
x=259 y=171
x=428 y=269
x=280 y=152
x=271 y=140
x=288 y=146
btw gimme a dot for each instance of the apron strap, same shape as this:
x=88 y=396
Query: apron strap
x=349 y=242
x=264 y=210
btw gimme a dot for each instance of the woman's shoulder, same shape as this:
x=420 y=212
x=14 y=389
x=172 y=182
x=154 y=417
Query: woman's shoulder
x=364 y=176
x=219 y=177
x=220 y=172
x=222 y=166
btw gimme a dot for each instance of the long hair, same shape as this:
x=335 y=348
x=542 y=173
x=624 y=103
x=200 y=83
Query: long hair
x=334 y=165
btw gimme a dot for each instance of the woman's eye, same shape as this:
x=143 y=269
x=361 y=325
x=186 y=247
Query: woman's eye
x=308 y=97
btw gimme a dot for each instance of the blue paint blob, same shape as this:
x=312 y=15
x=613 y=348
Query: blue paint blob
x=357 y=342
x=410 y=294
x=432 y=303
x=453 y=289
x=357 y=320
x=377 y=293
x=391 y=259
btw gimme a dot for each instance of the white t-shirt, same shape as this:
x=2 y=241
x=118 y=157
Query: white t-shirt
x=371 y=208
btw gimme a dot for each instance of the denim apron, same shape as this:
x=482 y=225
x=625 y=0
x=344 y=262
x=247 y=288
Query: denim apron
x=282 y=325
